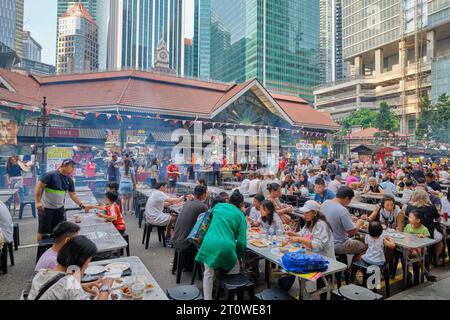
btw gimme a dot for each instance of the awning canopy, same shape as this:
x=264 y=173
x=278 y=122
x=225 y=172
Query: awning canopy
x=27 y=134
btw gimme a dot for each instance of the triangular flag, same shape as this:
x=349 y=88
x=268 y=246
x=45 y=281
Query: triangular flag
x=128 y=116
x=48 y=110
x=175 y=121
x=4 y=103
x=184 y=122
x=118 y=117
x=97 y=114
x=108 y=116
x=19 y=107
x=74 y=113
x=34 y=109
x=165 y=120
x=157 y=116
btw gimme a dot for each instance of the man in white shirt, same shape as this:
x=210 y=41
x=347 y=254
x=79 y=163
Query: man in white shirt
x=253 y=185
x=154 y=208
x=263 y=185
x=6 y=223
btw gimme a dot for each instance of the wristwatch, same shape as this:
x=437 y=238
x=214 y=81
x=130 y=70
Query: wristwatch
x=82 y=206
x=105 y=288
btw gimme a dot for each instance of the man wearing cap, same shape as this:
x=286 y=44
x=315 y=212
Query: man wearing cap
x=50 y=194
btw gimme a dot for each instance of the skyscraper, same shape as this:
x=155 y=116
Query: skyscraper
x=31 y=48
x=136 y=27
x=64 y=5
x=331 y=59
x=77 y=49
x=276 y=41
x=11 y=24
x=188 y=57
x=19 y=27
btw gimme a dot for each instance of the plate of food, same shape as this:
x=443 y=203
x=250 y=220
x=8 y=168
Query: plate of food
x=148 y=287
x=126 y=291
x=121 y=266
x=93 y=270
x=260 y=243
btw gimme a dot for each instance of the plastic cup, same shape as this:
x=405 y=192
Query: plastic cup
x=137 y=291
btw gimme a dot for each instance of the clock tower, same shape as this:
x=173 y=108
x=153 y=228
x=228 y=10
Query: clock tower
x=162 y=64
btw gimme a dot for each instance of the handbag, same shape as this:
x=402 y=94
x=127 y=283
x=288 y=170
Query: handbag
x=200 y=228
x=303 y=263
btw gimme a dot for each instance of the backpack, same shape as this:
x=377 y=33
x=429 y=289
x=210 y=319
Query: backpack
x=303 y=263
x=200 y=228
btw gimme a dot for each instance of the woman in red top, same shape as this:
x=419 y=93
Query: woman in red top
x=112 y=209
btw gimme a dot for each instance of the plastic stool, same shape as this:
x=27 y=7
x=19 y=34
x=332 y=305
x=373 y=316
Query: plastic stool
x=274 y=294
x=353 y=292
x=184 y=293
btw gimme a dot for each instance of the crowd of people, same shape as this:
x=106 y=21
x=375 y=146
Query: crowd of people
x=326 y=226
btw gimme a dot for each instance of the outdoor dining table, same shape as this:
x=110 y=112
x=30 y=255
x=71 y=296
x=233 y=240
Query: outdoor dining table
x=328 y=276
x=232 y=184
x=82 y=189
x=362 y=206
x=9 y=193
x=5 y=198
x=445 y=224
x=87 y=219
x=105 y=236
x=379 y=197
x=138 y=269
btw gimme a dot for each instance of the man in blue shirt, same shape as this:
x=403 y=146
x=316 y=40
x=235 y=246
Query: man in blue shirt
x=322 y=194
x=388 y=186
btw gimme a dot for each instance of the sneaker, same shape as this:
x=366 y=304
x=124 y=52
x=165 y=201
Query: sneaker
x=429 y=276
x=169 y=243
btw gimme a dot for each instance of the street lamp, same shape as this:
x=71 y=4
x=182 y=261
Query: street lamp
x=43 y=120
x=348 y=137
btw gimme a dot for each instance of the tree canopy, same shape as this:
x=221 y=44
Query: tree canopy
x=362 y=117
x=433 y=123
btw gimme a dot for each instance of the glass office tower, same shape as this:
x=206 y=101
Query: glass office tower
x=136 y=27
x=276 y=41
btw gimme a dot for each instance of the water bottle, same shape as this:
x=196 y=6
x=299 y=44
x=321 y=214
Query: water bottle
x=271 y=234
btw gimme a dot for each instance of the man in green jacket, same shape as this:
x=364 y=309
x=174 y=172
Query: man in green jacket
x=225 y=242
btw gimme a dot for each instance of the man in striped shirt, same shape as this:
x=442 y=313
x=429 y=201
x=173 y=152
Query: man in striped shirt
x=50 y=194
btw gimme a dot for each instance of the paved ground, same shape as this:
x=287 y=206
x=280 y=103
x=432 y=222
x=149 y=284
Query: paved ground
x=156 y=258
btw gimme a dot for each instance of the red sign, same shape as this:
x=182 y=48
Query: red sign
x=64 y=133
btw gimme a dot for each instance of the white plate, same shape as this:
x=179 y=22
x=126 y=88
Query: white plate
x=93 y=270
x=122 y=266
x=117 y=285
x=397 y=235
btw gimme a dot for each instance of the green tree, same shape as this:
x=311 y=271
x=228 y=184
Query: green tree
x=362 y=117
x=425 y=121
x=387 y=121
x=441 y=119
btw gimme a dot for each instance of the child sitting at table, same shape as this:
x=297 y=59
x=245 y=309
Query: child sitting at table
x=376 y=241
x=269 y=218
x=114 y=186
x=416 y=227
x=112 y=209
x=254 y=213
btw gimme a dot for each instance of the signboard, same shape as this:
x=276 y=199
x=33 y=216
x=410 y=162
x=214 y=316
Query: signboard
x=112 y=136
x=8 y=132
x=56 y=155
x=63 y=133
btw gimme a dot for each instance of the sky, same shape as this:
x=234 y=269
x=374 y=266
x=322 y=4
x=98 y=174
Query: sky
x=40 y=20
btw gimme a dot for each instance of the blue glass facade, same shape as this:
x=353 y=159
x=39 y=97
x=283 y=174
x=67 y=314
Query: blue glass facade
x=144 y=24
x=274 y=41
x=8 y=23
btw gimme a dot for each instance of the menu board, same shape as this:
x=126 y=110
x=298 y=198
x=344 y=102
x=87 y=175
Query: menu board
x=56 y=155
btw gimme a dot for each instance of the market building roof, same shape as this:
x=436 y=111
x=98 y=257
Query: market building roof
x=140 y=91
